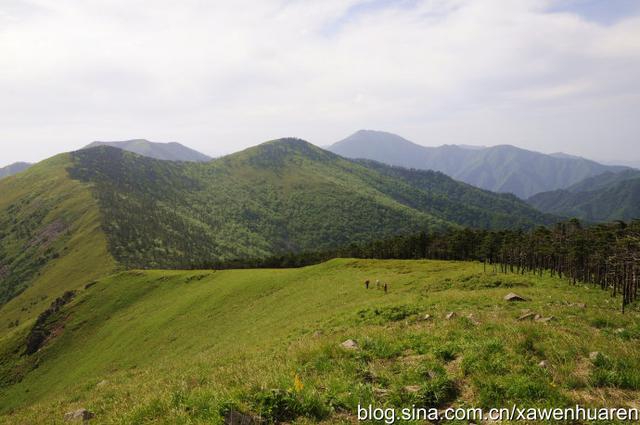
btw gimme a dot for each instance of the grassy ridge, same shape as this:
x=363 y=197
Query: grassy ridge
x=181 y=347
x=51 y=239
x=52 y=242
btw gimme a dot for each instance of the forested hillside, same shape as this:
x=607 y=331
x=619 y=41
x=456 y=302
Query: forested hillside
x=281 y=196
x=607 y=197
x=463 y=203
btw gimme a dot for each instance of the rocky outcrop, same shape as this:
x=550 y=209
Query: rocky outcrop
x=45 y=325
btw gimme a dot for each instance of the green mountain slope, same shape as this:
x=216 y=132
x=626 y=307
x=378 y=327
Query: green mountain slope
x=165 y=151
x=286 y=195
x=14 y=168
x=462 y=203
x=50 y=241
x=184 y=347
x=603 y=181
x=608 y=197
x=505 y=168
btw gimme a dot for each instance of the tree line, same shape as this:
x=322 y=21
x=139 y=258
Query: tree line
x=606 y=255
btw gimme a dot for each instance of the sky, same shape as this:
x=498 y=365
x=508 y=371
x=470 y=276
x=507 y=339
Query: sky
x=219 y=76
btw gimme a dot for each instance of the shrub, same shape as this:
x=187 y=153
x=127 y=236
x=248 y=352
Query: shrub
x=618 y=373
x=525 y=389
x=602 y=323
x=387 y=314
x=382 y=348
x=446 y=353
x=528 y=344
x=437 y=392
x=277 y=405
x=486 y=359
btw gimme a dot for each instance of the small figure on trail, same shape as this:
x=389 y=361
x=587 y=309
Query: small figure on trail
x=366 y=284
x=386 y=288
x=378 y=284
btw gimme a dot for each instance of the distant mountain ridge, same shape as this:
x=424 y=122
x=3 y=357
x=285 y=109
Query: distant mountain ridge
x=14 y=168
x=503 y=168
x=624 y=163
x=606 y=197
x=164 y=151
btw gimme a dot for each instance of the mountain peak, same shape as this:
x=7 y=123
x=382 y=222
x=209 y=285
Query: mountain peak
x=369 y=132
x=373 y=137
x=290 y=142
x=275 y=152
x=172 y=151
x=381 y=146
x=14 y=168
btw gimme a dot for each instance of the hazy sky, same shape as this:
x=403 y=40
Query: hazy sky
x=222 y=75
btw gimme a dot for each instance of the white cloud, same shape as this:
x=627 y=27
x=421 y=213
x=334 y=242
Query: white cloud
x=219 y=76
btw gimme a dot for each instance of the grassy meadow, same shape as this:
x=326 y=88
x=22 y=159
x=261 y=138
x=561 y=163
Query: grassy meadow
x=184 y=347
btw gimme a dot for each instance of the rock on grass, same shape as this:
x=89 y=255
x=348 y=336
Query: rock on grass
x=79 y=415
x=514 y=297
x=350 y=344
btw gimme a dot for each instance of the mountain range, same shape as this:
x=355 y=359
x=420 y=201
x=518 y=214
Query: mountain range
x=281 y=196
x=88 y=325
x=504 y=168
x=606 y=197
x=285 y=195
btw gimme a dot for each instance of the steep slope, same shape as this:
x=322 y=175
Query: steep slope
x=165 y=151
x=50 y=242
x=286 y=195
x=185 y=346
x=14 y=168
x=607 y=197
x=504 y=168
x=462 y=203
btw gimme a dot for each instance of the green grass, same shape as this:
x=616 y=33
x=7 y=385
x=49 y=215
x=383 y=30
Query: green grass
x=187 y=346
